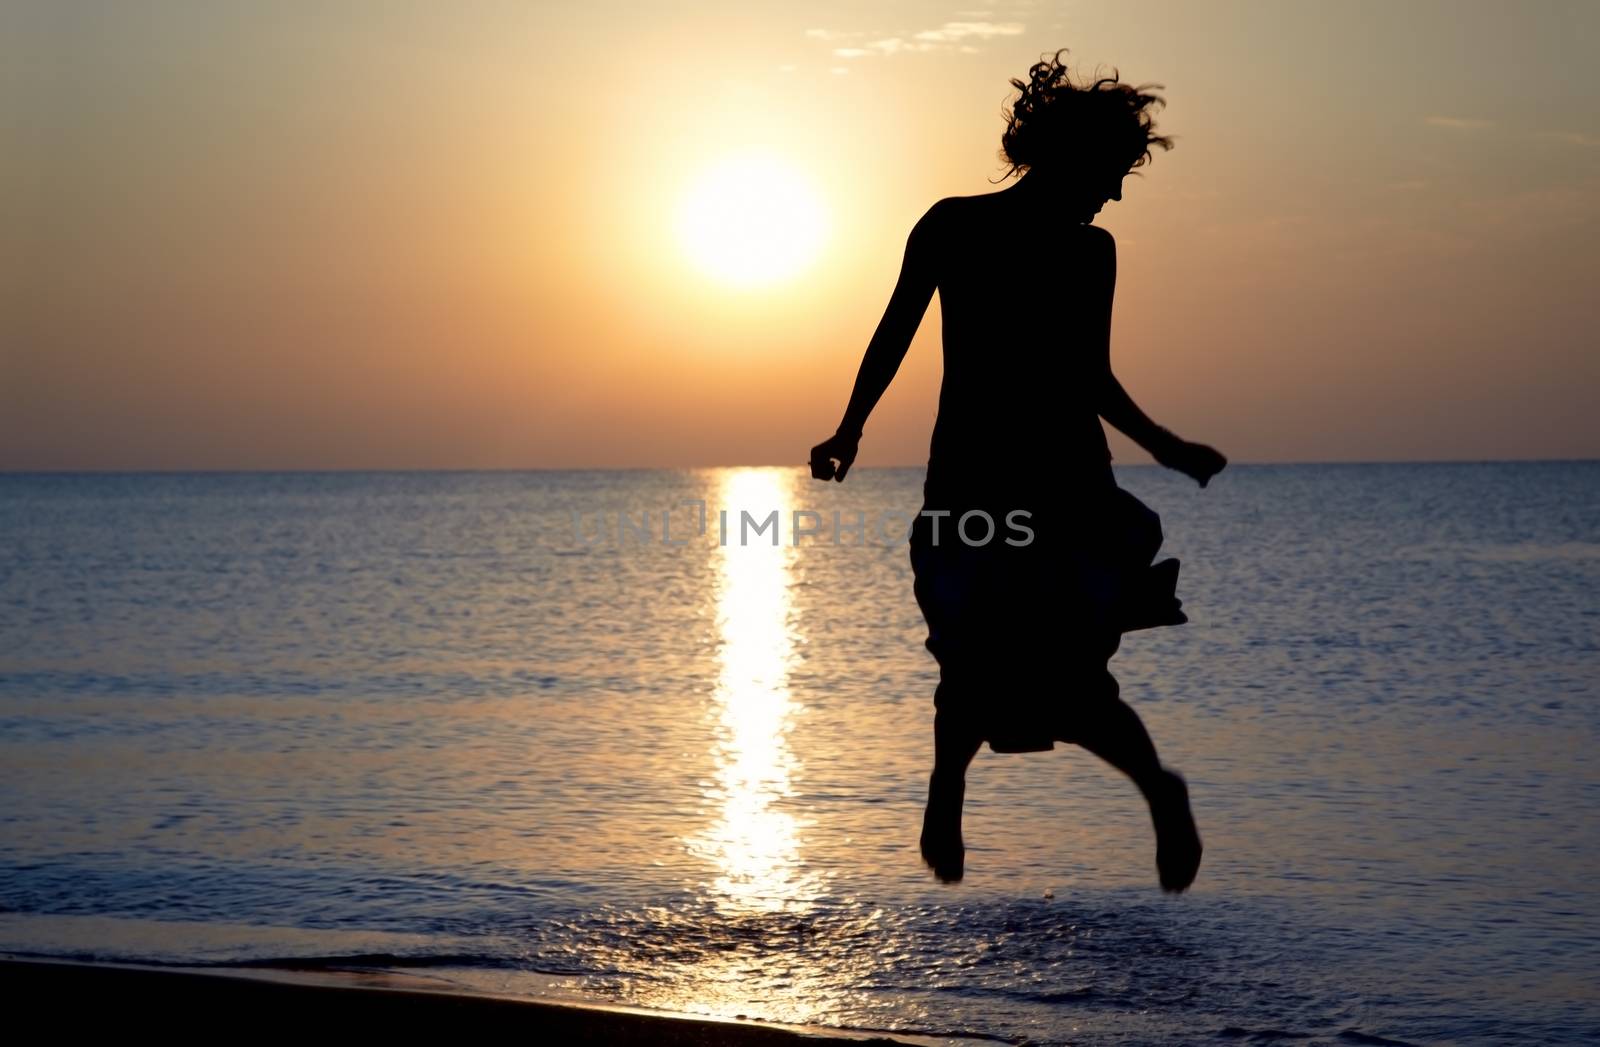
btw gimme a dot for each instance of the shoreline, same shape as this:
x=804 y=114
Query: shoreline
x=74 y=997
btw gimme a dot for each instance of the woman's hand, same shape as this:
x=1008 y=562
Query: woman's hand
x=1196 y=461
x=831 y=459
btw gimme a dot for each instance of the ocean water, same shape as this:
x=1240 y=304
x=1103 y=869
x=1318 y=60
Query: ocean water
x=436 y=721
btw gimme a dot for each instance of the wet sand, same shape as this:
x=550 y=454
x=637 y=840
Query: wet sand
x=177 y=1003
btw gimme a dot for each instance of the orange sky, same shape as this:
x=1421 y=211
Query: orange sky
x=434 y=236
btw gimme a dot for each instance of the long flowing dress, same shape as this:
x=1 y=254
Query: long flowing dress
x=1023 y=625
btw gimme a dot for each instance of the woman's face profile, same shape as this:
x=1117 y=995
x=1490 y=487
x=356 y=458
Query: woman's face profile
x=1105 y=187
x=1086 y=191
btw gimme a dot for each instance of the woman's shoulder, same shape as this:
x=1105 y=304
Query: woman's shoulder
x=957 y=207
x=953 y=217
x=1098 y=235
x=1092 y=240
x=939 y=213
x=1100 y=248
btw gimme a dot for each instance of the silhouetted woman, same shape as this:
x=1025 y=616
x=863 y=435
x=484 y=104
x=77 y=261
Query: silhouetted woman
x=1030 y=562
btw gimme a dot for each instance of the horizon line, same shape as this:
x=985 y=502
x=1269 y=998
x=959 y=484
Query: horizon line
x=280 y=470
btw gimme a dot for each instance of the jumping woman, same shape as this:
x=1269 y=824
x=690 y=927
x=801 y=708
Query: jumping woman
x=1025 y=611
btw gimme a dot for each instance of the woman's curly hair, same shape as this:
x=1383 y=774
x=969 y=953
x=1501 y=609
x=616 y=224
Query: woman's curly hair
x=1055 y=119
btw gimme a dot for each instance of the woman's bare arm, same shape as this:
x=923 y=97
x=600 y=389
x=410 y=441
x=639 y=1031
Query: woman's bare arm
x=885 y=351
x=1114 y=403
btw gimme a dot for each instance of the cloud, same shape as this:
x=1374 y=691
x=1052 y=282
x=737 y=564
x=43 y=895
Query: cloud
x=891 y=45
x=950 y=32
x=951 y=36
x=1459 y=123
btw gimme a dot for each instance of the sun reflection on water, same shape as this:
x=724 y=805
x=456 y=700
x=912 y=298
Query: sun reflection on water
x=754 y=841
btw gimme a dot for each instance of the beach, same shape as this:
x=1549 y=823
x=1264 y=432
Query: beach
x=180 y=1003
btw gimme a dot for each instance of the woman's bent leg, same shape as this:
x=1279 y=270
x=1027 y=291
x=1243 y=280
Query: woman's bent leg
x=955 y=743
x=1109 y=728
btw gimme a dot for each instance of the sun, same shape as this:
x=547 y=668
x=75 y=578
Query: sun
x=751 y=220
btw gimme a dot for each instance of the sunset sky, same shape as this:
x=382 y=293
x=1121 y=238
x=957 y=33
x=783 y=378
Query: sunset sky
x=475 y=235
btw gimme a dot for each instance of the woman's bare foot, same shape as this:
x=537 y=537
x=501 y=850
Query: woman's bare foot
x=942 y=846
x=943 y=851
x=955 y=744
x=1177 y=840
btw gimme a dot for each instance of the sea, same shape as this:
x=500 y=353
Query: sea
x=661 y=738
